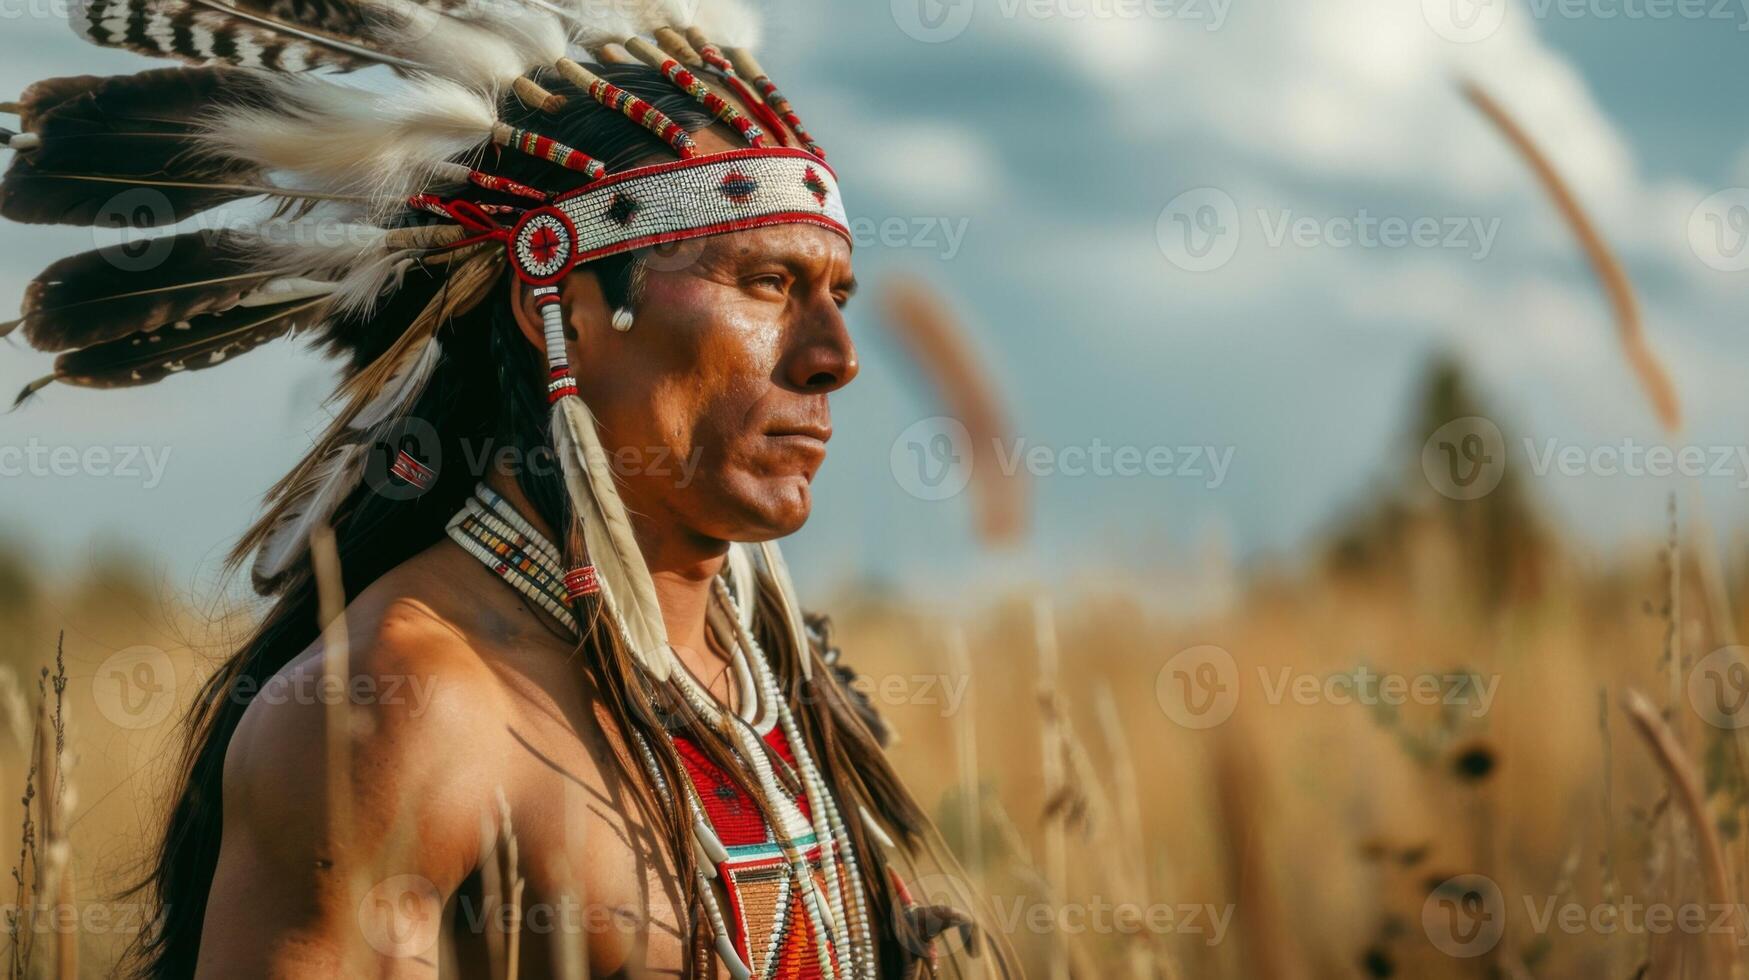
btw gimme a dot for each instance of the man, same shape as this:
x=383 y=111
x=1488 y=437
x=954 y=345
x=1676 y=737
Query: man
x=583 y=723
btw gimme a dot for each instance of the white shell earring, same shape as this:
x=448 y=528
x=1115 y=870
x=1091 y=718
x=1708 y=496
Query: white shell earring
x=622 y=319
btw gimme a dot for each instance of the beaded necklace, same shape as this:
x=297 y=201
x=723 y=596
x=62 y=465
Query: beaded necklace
x=796 y=908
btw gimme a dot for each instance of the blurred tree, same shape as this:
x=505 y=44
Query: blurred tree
x=1496 y=542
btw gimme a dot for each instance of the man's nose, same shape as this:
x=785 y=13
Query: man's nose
x=823 y=359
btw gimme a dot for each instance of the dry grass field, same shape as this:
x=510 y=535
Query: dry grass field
x=1410 y=758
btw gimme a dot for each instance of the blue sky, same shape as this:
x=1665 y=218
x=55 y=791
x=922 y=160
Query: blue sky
x=1031 y=159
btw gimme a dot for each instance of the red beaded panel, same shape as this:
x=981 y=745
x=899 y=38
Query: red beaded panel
x=773 y=929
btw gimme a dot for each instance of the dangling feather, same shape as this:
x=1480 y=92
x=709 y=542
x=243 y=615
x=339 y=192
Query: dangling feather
x=316 y=490
x=110 y=293
x=340 y=468
x=626 y=587
x=211 y=31
x=100 y=137
x=776 y=573
x=187 y=345
x=742 y=579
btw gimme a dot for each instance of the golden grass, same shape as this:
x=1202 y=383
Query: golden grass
x=1324 y=827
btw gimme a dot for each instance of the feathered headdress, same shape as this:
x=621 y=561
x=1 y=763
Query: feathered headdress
x=266 y=110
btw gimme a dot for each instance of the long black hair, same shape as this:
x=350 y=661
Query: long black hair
x=488 y=387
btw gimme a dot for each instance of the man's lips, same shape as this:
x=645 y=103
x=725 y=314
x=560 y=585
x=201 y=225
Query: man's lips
x=818 y=432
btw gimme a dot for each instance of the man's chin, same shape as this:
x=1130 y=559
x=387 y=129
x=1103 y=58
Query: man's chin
x=779 y=509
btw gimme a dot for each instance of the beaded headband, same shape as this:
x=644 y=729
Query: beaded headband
x=672 y=202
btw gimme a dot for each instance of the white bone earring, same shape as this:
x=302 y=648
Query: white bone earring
x=622 y=319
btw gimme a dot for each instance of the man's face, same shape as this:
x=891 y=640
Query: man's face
x=714 y=404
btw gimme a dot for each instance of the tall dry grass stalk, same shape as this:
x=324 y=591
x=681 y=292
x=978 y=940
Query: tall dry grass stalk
x=1267 y=946
x=1617 y=287
x=337 y=728
x=1656 y=382
x=1056 y=786
x=942 y=350
x=43 y=877
x=1686 y=785
x=513 y=885
x=965 y=740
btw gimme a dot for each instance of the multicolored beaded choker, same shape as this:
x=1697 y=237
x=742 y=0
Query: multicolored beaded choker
x=791 y=905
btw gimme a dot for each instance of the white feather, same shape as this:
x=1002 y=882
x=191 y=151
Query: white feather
x=728 y=23
x=626 y=587
x=337 y=138
x=607 y=22
x=453 y=47
x=358 y=262
x=778 y=580
x=537 y=37
x=402 y=389
x=340 y=474
x=746 y=585
x=289 y=540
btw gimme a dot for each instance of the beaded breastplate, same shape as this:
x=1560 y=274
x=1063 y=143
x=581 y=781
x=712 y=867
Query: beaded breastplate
x=795 y=908
x=771 y=924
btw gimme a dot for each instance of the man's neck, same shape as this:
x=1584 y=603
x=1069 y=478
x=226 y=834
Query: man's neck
x=681 y=572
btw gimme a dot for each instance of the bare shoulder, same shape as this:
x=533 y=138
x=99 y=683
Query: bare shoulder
x=409 y=703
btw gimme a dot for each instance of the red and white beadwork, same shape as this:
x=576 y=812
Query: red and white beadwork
x=543 y=246
x=710 y=195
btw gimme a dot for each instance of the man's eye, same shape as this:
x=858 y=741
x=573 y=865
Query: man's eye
x=772 y=281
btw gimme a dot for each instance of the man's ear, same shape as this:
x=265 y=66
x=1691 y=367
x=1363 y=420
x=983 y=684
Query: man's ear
x=528 y=319
x=584 y=306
